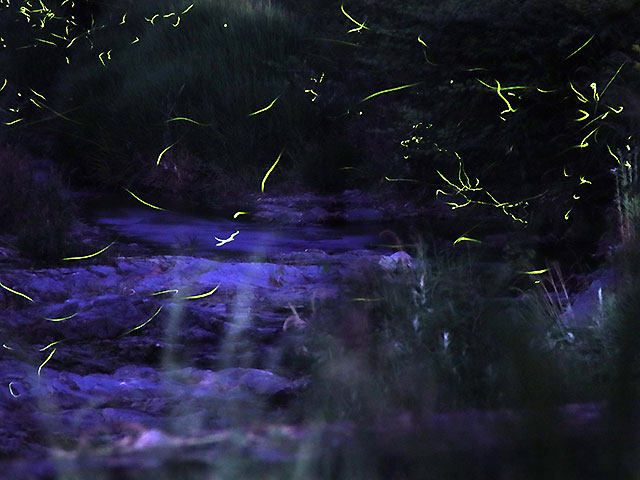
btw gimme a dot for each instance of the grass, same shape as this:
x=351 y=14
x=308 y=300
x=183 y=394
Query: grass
x=454 y=333
x=171 y=112
x=181 y=98
x=451 y=335
x=34 y=210
x=177 y=92
x=626 y=200
x=448 y=336
x=117 y=96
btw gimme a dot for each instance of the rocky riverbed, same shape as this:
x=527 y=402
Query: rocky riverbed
x=142 y=361
x=134 y=350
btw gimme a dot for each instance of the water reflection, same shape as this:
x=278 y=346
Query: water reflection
x=177 y=233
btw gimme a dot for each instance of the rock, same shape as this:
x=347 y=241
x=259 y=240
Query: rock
x=279 y=214
x=261 y=382
x=100 y=389
x=103 y=317
x=315 y=215
x=7 y=253
x=351 y=206
x=398 y=261
x=363 y=214
x=152 y=438
x=102 y=271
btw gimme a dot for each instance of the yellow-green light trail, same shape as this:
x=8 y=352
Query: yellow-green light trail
x=594 y=87
x=46 y=41
x=51 y=345
x=60 y=319
x=400 y=180
x=360 y=25
x=535 y=272
x=612 y=78
x=90 y=255
x=389 y=90
x=45 y=362
x=16 y=293
x=581 y=97
x=466 y=239
x=36 y=93
x=504 y=89
x=270 y=170
x=585 y=115
x=265 y=108
x=13 y=394
x=498 y=91
x=175 y=119
x=163 y=152
x=142 y=201
x=581 y=47
x=584 y=142
x=202 y=295
x=142 y=325
x=173 y=290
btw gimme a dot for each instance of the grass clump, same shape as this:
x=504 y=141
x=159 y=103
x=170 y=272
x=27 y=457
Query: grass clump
x=452 y=333
x=33 y=207
x=455 y=334
x=186 y=89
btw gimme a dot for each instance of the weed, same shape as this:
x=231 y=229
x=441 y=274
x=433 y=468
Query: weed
x=453 y=333
x=627 y=197
x=187 y=245
x=35 y=210
x=180 y=98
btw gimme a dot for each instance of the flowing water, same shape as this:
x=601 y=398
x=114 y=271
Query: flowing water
x=179 y=233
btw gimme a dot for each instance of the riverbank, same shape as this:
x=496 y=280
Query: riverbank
x=181 y=356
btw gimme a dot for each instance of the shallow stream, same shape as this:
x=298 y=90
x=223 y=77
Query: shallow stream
x=181 y=233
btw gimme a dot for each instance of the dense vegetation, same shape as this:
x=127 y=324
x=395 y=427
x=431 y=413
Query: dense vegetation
x=524 y=112
x=531 y=103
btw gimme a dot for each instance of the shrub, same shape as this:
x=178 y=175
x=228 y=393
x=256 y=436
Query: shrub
x=33 y=207
x=453 y=333
x=222 y=61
